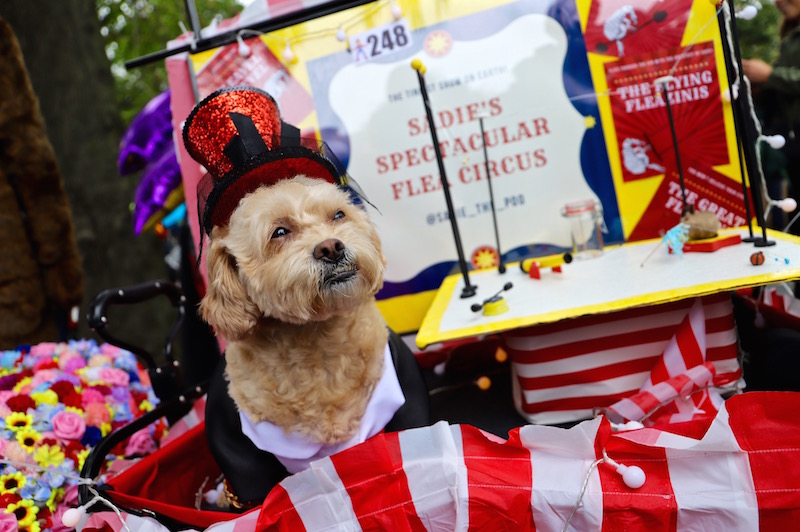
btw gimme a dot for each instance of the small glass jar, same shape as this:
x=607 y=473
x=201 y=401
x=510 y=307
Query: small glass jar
x=586 y=227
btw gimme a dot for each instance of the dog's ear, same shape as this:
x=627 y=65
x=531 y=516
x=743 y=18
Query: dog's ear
x=226 y=306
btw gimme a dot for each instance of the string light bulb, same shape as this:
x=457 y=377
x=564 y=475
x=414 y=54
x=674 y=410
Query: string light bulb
x=288 y=54
x=243 y=49
x=747 y=13
x=775 y=141
x=786 y=204
x=341 y=35
x=397 y=11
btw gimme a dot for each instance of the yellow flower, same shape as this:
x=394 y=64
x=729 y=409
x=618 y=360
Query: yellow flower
x=105 y=428
x=28 y=438
x=55 y=495
x=48 y=397
x=25 y=512
x=22 y=383
x=11 y=482
x=32 y=527
x=74 y=410
x=49 y=455
x=81 y=456
x=145 y=406
x=17 y=421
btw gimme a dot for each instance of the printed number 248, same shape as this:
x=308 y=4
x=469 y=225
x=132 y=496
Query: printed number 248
x=387 y=40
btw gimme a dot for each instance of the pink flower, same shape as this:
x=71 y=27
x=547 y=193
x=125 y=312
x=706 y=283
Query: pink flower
x=96 y=361
x=114 y=377
x=71 y=364
x=140 y=443
x=108 y=349
x=5 y=395
x=68 y=425
x=8 y=522
x=66 y=356
x=71 y=496
x=16 y=453
x=90 y=395
x=97 y=414
x=43 y=376
x=56 y=518
x=43 y=349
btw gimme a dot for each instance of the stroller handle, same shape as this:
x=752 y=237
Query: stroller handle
x=97 y=315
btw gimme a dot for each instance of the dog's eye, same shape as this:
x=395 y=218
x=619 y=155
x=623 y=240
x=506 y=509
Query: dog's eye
x=338 y=216
x=280 y=232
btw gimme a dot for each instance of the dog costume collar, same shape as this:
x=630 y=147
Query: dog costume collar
x=237 y=134
x=296 y=452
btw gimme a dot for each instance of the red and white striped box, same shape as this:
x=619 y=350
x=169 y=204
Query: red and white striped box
x=562 y=372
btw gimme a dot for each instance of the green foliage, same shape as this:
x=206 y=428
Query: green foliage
x=135 y=28
x=758 y=38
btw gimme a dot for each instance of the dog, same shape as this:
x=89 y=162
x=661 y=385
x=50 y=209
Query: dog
x=310 y=366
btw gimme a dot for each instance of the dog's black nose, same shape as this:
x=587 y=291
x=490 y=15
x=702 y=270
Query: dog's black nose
x=331 y=250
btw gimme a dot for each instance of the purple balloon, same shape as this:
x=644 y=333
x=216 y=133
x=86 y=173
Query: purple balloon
x=147 y=135
x=159 y=179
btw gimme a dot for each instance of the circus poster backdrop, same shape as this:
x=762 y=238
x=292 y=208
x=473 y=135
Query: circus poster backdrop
x=565 y=93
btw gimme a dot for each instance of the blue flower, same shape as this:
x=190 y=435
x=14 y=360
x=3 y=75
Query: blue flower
x=126 y=360
x=91 y=436
x=122 y=412
x=53 y=478
x=36 y=490
x=9 y=358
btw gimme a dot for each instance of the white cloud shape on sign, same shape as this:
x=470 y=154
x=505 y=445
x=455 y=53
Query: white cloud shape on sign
x=518 y=70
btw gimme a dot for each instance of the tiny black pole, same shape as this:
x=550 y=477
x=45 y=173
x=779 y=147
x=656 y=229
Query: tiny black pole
x=469 y=288
x=663 y=82
x=737 y=119
x=501 y=267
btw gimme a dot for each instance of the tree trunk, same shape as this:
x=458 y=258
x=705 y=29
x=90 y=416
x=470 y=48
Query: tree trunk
x=65 y=57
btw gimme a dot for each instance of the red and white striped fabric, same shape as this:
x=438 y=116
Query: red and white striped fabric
x=679 y=386
x=781 y=300
x=565 y=371
x=681 y=398
x=742 y=474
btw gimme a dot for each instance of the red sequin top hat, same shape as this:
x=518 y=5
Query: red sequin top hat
x=237 y=134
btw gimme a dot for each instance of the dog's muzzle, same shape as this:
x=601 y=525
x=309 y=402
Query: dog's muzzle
x=337 y=262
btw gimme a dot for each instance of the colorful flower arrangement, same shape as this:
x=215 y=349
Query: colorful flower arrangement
x=56 y=402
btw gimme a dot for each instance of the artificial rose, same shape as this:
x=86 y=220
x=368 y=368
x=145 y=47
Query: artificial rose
x=97 y=414
x=99 y=361
x=140 y=443
x=74 y=364
x=111 y=350
x=8 y=522
x=91 y=395
x=42 y=350
x=16 y=453
x=44 y=376
x=68 y=425
x=44 y=363
x=57 y=524
x=62 y=388
x=114 y=377
x=73 y=399
x=67 y=355
x=20 y=403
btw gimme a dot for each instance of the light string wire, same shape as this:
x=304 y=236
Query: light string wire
x=348 y=23
x=756 y=122
x=81 y=481
x=735 y=387
x=585 y=484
